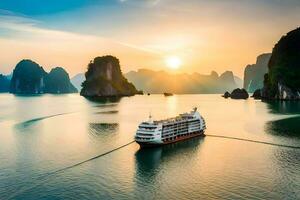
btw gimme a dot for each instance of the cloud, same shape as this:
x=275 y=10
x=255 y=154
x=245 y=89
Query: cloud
x=26 y=39
x=145 y=2
x=29 y=28
x=23 y=26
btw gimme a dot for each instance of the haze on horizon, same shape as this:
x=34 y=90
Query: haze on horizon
x=205 y=35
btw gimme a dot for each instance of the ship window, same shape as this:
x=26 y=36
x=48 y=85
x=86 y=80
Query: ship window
x=144 y=134
x=147 y=128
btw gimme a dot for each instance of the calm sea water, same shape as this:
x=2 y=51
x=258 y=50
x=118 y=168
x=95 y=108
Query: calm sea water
x=42 y=134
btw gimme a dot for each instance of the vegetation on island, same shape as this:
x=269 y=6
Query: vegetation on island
x=28 y=78
x=58 y=81
x=104 y=78
x=283 y=78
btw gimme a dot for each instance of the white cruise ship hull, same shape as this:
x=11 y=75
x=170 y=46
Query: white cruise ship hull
x=170 y=140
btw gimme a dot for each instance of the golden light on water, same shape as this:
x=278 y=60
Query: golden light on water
x=173 y=62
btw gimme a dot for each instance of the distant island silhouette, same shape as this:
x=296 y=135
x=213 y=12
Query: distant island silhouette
x=254 y=73
x=4 y=83
x=30 y=78
x=159 y=82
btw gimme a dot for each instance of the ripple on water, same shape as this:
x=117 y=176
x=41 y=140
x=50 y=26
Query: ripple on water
x=100 y=129
x=107 y=112
x=284 y=127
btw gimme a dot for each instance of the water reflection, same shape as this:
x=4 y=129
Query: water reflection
x=148 y=160
x=106 y=105
x=107 y=112
x=284 y=127
x=28 y=95
x=288 y=127
x=284 y=107
x=104 y=99
x=100 y=129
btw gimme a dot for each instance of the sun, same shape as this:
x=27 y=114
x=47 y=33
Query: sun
x=173 y=62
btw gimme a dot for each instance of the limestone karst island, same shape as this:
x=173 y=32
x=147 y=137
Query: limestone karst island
x=149 y=99
x=104 y=79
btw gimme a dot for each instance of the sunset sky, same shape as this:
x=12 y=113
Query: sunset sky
x=201 y=35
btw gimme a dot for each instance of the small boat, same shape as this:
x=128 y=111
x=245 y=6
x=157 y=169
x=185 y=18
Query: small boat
x=168 y=94
x=182 y=127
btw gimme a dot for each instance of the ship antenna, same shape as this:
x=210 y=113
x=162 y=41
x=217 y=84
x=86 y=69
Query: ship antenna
x=150 y=117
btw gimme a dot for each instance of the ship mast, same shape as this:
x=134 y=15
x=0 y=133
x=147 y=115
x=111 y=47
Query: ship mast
x=150 y=120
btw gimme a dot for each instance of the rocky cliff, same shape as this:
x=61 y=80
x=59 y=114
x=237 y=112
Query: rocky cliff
x=254 y=74
x=104 y=79
x=58 y=81
x=283 y=79
x=236 y=94
x=30 y=78
x=4 y=83
x=160 y=81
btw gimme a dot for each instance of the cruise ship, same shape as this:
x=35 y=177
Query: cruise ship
x=182 y=127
